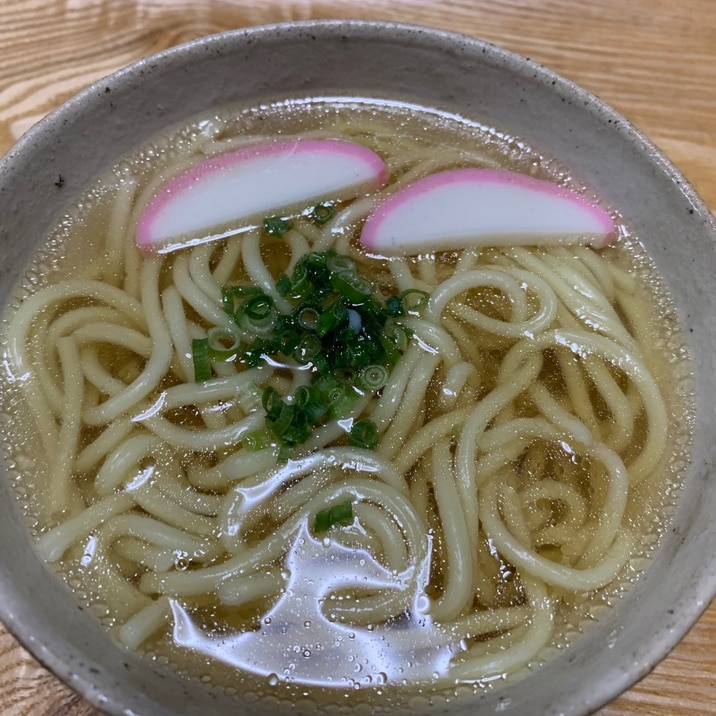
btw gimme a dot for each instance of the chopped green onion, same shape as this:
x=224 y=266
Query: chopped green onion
x=258 y=307
x=394 y=306
x=326 y=382
x=307 y=317
x=223 y=343
x=374 y=377
x=363 y=434
x=291 y=425
x=309 y=400
x=285 y=453
x=200 y=358
x=297 y=434
x=340 y=400
x=300 y=288
x=283 y=420
x=316 y=260
x=231 y=294
x=321 y=364
x=248 y=397
x=283 y=284
x=257 y=314
x=303 y=394
x=395 y=335
x=272 y=403
x=351 y=287
x=256 y=353
x=338 y=263
x=412 y=300
x=323 y=212
x=277 y=225
x=257 y=440
x=331 y=319
x=340 y=514
x=336 y=329
x=309 y=346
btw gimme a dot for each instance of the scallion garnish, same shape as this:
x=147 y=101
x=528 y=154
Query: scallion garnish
x=338 y=327
x=395 y=339
x=283 y=420
x=307 y=317
x=374 y=377
x=223 y=343
x=309 y=345
x=363 y=434
x=257 y=314
x=340 y=400
x=258 y=439
x=338 y=263
x=283 y=284
x=351 y=286
x=272 y=403
x=231 y=296
x=331 y=318
x=309 y=399
x=200 y=357
x=323 y=212
x=412 y=300
x=277 y=225
x=340 y=514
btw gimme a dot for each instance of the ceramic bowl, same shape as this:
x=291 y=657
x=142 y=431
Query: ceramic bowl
x=434 y=68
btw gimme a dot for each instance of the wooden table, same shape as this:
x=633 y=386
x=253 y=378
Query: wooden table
x=653 y=60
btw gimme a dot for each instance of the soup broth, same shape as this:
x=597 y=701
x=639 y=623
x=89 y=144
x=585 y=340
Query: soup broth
x=530 y=429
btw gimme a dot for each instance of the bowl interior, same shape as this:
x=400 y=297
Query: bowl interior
x=434 y=69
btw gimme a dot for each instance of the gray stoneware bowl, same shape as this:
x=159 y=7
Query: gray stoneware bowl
x=430 y=67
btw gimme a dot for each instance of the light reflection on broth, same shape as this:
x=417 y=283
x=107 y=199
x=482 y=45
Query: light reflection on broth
x=550 y=400
x=299 y=634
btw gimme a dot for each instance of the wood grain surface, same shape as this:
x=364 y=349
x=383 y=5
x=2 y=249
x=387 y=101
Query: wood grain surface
x=653 y=60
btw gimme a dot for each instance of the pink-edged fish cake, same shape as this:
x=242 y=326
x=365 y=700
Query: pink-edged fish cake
x=231 y=192
x=460 y=208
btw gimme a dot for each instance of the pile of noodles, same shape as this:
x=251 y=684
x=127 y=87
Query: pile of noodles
x=512 y=432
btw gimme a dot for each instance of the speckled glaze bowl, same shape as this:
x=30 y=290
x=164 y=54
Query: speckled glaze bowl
x=433 y=68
